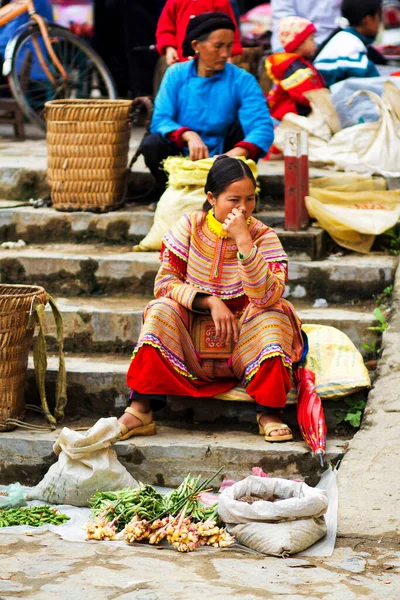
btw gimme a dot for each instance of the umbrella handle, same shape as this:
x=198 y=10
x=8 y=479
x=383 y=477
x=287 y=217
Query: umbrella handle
x=320 y=455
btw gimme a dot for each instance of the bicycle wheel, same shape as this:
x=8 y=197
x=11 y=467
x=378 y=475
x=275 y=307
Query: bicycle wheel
x=88 y=76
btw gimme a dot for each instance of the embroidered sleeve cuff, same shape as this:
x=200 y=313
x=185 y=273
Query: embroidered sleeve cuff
x=242 y=258
x=254 y=152
x=175 y=137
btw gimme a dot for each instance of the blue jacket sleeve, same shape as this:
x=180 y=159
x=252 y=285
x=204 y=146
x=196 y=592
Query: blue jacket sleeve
x=164 y=115
x=253 y=113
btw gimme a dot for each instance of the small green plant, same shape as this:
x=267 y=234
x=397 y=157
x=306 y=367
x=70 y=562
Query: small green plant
x=353 y=414
x=380 y=317
x=373 y=349
x=384 y=297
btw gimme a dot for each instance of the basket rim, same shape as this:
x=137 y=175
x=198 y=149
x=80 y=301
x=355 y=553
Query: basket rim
x=87 y=103
x=39 y=290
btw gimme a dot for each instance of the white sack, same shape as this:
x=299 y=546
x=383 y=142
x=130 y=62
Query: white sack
x=279 y=539
x=297 y=500
x=86 y=463
x=287 y=519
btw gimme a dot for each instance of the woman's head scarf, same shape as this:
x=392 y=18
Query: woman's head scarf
x=204 y=24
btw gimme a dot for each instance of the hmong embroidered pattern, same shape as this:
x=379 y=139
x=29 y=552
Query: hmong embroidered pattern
x=268 y=325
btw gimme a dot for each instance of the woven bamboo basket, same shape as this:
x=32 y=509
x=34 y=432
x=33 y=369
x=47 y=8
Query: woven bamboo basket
x=17 y=325
x=100 y=151
x=56 y=176
x=88 y=139
x=85 y=127
x=71 y=202
x=82 y=163
x=84 y=187
x=88 y=144
x=88 y=110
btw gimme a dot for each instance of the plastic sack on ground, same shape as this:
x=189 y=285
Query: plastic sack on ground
x=12 y=496
x=287 y=518
x=362 y=109
x=184 y=194
x=365 y=148
x=354 y=218
x=86 y=463
x=338 y=365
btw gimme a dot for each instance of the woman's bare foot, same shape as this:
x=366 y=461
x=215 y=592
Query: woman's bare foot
x=265 y=419
x=129 y=420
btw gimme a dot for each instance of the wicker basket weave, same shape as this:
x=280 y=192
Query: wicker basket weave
x=17 y=325
x=57 y=176
x=88 y=144
x=83 y=187
x=88 y=139
x=85 y=126
x=93 y=151
x=70 y=163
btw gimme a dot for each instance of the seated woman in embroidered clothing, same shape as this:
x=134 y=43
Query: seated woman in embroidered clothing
x=219 y=316
x=207 y=106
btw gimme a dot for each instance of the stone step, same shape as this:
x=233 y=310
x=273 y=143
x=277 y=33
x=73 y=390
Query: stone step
x=96 y=387
x=83 y=269
x=23 y=170
x=164 y=459
x=127 y=226
x=112 y=325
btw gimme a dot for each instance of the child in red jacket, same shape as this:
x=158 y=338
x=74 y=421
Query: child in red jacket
x=174 y=19
x=291 y=71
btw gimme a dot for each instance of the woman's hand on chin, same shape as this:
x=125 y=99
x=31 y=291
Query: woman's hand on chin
x=236 y=225
x=197 y=148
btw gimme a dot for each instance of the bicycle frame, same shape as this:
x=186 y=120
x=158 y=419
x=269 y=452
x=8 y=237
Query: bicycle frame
x=17 y=8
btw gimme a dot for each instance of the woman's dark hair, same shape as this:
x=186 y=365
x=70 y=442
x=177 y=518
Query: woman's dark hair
x=200 y=27
x=356 y=10
x=225 y=170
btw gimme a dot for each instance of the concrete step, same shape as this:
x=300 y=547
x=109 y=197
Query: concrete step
x=112 y=325
x=23 y=168
x=127 y=226
x=164 y=459
x=83 y=269
x=96 y=387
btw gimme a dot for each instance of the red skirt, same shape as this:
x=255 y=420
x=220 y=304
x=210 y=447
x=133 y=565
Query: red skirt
x=150 y=373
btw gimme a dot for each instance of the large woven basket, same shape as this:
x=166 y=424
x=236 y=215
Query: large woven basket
x=17 y=324
x=88 y=144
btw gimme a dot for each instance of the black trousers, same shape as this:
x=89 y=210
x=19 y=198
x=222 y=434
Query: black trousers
x=155 y=148
x=121 y=26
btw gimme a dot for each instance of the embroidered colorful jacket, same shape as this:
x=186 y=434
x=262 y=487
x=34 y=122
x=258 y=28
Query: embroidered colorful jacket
x=293 y=76
x=196 y=260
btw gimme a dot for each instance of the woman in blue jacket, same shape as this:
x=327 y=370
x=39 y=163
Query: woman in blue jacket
x=207 y=106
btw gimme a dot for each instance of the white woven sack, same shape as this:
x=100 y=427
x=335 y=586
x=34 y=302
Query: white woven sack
x=86 y=463
x=280 y=539
x=287 y=518
x=293 y=500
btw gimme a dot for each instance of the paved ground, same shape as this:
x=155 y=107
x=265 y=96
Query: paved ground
x=368 y=479
x=46 y=568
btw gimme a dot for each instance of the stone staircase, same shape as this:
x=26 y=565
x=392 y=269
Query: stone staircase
x=86 y=262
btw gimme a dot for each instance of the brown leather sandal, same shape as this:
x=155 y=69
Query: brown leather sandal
x=148 y=427
x=266 y=429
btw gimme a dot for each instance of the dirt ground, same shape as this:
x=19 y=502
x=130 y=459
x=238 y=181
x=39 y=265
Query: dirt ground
x=43 y=567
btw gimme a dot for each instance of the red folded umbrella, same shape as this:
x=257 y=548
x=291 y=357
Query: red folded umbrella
x=310 y=414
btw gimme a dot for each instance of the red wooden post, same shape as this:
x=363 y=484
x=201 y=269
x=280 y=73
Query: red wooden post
x=292 y=174
x=296 y=180
x=304 y=181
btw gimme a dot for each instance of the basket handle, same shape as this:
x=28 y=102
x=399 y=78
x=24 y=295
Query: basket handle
x=40 y=362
